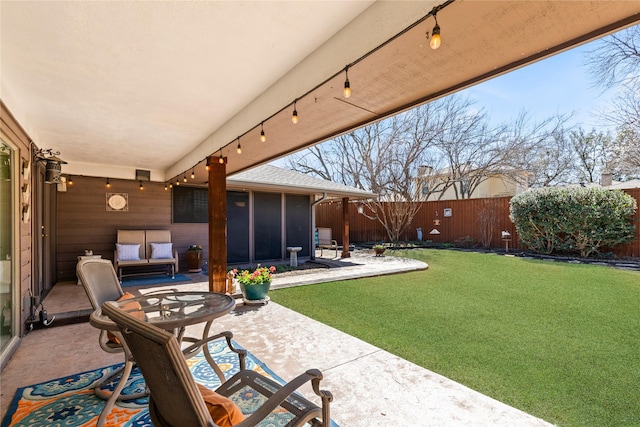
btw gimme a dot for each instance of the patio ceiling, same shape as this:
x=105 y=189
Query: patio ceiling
x=119 y=86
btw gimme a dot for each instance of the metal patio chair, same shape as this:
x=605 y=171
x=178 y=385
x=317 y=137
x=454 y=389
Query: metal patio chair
x=174 y=398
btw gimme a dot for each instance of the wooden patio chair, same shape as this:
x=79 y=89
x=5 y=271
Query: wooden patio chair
x=176 y=401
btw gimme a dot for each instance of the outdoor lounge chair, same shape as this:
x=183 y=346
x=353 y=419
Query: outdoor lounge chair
x=176 y=401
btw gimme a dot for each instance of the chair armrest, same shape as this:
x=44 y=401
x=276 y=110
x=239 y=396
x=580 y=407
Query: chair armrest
x=228 y=335
x=281 y=395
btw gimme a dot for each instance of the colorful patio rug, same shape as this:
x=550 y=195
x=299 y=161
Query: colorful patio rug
x=70 y=401
x=153 y=280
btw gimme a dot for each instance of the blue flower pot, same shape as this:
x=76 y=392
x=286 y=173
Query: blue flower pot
x=255 y=292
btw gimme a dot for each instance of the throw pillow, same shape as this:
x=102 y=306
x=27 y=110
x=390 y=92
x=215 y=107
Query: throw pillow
x=224 y=412
x=128 y=252
x=161 y=250
x=133 y=308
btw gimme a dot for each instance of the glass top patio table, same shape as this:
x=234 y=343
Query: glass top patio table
x=171 y=310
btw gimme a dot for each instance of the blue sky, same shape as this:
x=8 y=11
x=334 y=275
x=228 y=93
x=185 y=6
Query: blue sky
x=560 y=84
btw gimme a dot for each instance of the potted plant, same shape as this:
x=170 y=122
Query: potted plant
x=255 y=284
x=379 y=249
x=194 y=258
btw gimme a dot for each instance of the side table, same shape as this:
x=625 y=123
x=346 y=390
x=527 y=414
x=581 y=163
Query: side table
x=87 y=257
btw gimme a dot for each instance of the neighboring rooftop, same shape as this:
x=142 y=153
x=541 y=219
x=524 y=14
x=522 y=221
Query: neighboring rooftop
x=269 y=177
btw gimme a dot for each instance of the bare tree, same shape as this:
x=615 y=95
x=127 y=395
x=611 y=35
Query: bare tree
x=383 y=158
x=593 y=151
x=615 y=63
x=542 y=149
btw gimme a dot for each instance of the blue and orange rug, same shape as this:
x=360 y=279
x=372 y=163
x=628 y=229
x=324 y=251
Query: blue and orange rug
x=70 y=401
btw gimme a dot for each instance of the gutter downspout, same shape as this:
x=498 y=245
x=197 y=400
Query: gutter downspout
x=313 y=224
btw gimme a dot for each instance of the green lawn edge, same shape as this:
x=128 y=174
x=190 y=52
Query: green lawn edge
x=559 y=341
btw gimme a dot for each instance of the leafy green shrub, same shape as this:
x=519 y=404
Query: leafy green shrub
x=582 y=220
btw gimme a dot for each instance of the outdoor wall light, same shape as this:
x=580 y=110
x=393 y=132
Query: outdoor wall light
x=53 y=165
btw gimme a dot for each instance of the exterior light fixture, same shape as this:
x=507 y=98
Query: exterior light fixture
x=347 y=87
x=170 y=185
x=239 y=148
x=166 y=187
x=70 y=180
x=193 y=173
x=53 y=164
x=435 y=35
x=294 y=117
x=141 y=186
x=221 y=159
x=184 y=178
x=177 y=181
x=263 y=137
x=108 y=183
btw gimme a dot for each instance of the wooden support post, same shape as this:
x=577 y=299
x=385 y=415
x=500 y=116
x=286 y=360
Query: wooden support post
x=345 y=234
x=217 y=224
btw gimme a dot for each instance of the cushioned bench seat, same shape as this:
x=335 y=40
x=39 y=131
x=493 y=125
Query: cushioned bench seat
x=137 y=248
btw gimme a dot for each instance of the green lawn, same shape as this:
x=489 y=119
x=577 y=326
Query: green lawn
x=559 y=341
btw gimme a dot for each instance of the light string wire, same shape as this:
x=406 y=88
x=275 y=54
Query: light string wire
x=431 y=13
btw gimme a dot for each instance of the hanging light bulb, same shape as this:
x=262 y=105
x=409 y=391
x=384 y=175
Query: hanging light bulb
x=141 y=186
x=221 y=159
x=347 y=87
x=239 y=148
x=184 y=178
x=294 y=118
x=177 y=181
x=70 y=180
x=170 y=185
x=108 y=183
x=207 y=167
x=166 y=187
x=263 y=137
x=193 y=173
x=435 y=35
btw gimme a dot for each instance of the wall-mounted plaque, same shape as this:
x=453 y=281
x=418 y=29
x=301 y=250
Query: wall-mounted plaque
x=117 y=201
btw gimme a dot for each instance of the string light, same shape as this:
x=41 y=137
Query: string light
x=141 y=186
x=70 y=180
x=193 y=173
x=239 y=148
x=347 y=87
x=184 y=178
x=221 y=159
x=294 y=118
x=207 y=167
x=166 y=187
x=263 y=137
x=108 y=183
x=435 y=35
x=177 y=181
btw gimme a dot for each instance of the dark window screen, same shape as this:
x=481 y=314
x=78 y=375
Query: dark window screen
x=237 y=226
x=298 y=219
x=267 y=214
x=190 y=204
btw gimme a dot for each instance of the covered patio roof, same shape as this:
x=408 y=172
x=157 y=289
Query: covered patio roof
x=160 y=86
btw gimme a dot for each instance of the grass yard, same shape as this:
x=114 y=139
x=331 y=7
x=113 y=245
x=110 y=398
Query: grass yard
x=559 y=341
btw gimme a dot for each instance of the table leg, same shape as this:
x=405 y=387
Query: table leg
x=207 y=355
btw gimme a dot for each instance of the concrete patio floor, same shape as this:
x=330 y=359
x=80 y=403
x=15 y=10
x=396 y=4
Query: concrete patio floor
x=371 y=387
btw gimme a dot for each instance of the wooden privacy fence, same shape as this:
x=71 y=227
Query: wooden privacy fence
x=478 y=221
